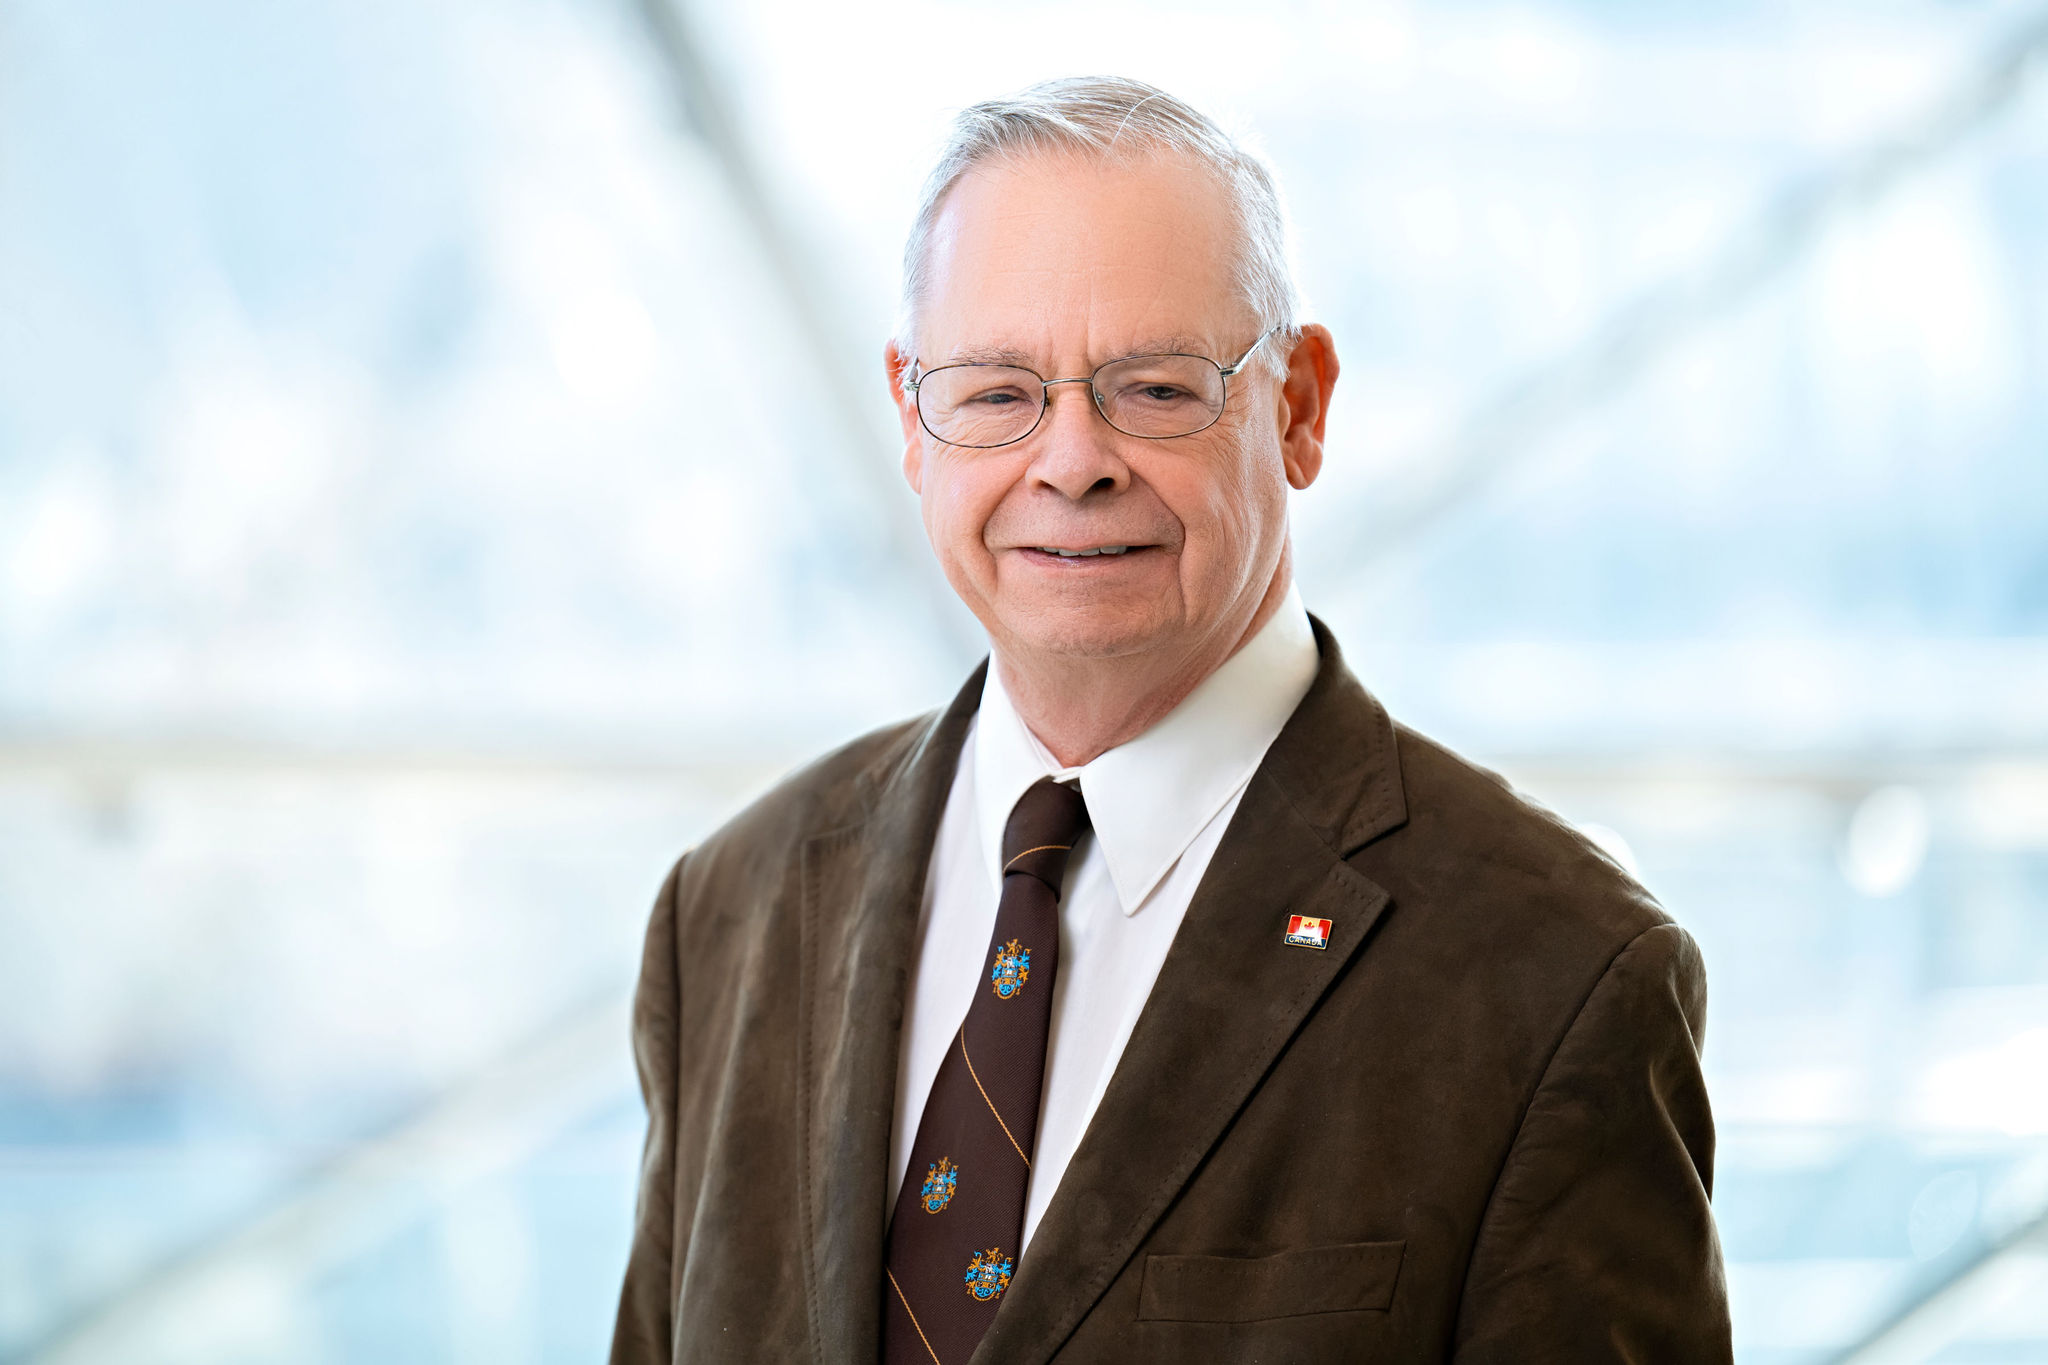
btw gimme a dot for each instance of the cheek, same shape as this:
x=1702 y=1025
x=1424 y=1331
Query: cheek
x=1226 y=505
x=958 y=501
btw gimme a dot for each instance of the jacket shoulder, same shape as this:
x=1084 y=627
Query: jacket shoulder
x=1492 y=846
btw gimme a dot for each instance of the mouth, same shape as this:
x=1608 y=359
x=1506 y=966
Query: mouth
x=1087 y=553
x=1072 y=557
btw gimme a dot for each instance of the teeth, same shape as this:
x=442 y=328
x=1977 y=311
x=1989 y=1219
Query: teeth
x=1082 y=554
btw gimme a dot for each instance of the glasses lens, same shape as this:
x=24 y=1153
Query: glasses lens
x=1161 y=395
x=979 y=405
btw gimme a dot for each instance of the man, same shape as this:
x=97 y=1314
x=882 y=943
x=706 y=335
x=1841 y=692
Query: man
x=1161 y=999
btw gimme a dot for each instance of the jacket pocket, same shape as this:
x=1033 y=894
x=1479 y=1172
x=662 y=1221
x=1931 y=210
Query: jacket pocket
x=1355 y=1277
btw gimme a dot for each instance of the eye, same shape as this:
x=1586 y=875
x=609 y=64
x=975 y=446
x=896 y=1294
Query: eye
x=997 y=397
x=1153 y=393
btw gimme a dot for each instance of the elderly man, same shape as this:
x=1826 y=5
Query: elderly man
x=1161 y=999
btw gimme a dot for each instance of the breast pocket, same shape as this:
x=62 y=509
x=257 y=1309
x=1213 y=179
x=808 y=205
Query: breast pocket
x=1358 y=1276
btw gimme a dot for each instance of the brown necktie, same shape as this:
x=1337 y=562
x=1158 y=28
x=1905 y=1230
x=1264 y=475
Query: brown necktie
x=960 y=1216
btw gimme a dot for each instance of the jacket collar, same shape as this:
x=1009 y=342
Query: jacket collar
x=1335 y=761
x=1348 y=787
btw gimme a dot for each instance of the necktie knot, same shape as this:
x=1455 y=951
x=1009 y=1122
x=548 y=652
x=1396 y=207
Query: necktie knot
x=1041 y=831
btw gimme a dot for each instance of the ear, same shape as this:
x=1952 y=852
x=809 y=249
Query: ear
x=898 y=365
x=1304 y=407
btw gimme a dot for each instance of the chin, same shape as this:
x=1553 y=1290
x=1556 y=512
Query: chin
x=1083 y=634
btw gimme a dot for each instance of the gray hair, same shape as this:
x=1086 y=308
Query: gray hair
x=1111 y=116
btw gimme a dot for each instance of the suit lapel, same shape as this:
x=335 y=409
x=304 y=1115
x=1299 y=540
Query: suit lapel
x=1229 y=997
x=862 y=886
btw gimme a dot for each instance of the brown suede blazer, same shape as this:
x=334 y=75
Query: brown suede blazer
x=1471 y=1129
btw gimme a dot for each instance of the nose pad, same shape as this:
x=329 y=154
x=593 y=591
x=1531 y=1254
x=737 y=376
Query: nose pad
x=1094 y=394
x=1048 y=416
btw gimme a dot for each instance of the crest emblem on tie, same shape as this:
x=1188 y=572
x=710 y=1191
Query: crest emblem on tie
x=939 y=1185
x=1011 y=970
x=988 y=1274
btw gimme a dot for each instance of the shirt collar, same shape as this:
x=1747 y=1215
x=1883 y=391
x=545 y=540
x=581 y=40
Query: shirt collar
x=1149 y=798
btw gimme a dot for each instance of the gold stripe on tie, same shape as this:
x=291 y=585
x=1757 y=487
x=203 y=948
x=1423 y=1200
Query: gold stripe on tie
x=1042 y=848
x=987 y=1101
x=913 y=1314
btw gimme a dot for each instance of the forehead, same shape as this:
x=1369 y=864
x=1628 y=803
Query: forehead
x=1071 y=259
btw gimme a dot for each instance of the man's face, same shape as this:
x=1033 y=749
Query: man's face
x=1060 y=264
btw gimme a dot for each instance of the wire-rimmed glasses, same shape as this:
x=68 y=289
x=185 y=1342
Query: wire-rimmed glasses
x=1157 y=397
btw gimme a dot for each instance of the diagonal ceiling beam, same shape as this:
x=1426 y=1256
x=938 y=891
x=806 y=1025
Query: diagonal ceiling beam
x=1634 y=337
x=710 y=113
x=481 y=1130
x=1945 y=1312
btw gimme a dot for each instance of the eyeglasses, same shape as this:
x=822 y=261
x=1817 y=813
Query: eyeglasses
x=1157 y=397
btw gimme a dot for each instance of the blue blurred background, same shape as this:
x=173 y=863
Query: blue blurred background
x=403 y=555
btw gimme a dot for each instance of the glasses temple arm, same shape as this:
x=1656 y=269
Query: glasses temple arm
x=1239 y=364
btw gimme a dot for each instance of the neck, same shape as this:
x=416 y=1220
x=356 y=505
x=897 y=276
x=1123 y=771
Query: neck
x=1080 y=708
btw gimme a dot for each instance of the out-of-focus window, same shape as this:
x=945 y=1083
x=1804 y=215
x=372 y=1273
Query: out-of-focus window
x=444 y=469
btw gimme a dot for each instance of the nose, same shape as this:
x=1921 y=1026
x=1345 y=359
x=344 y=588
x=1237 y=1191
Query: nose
x=1077 y=452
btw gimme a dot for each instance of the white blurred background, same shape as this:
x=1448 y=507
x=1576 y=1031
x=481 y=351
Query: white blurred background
x=403 y=557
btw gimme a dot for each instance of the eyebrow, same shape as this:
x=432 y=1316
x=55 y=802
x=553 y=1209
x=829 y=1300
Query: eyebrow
x=1177 y=344
x=989 y=355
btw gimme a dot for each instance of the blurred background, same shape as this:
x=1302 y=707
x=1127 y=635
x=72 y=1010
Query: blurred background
x=404 y=555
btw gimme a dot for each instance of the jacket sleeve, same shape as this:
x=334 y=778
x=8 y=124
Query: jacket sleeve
x=644 y=1334
x=1598 y=1244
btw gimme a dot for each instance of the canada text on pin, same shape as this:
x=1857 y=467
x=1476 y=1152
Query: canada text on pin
x=1303 y=932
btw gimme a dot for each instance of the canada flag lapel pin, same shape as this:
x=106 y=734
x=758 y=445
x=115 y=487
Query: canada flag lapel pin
x=1303 y=932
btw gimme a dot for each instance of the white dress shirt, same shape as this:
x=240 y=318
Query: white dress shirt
x=1158 y=806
